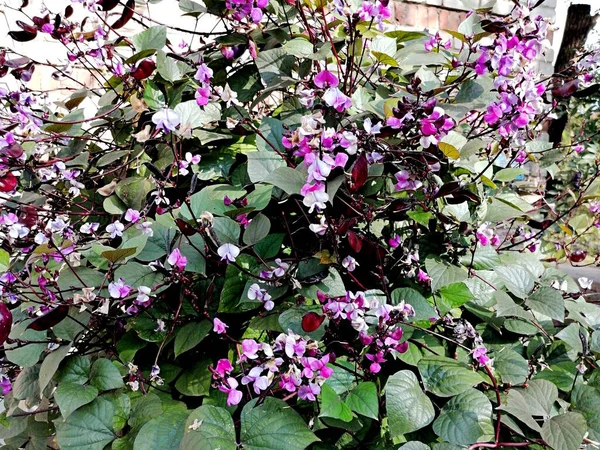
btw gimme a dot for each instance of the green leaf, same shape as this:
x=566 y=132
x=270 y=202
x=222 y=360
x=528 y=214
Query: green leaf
x=169 y=68
x=138 y=274
x=299 y=47
x=443 y=273
x=50 y=365
x=209 y=428
x=273 y=64
x=363 y=399
x=508 y=174
x=4 y=260
x=332 y=406
x=586 y=400
x=466 y=419
x=451 y=144
x=75 y=369
x=269 y=247
x=506 y=307
x=517 y=280
x=408 y=408
x=105 y=376
x=26 y=384
x=513 y=368
x=70 y=396
x=153 y=96
x=287 y=179
x=342 y=380
x=565 y=432
x=446 y=377
x=414 y=445
x=262 y=164
x=535 y=400
x=164 y=432
x=549 y=302
x=196 y=380
x=132 y=191
x=273 y=425
x=257 y=230
x=114 y=256
x=211 y=199
x=193 y=116
x=291 y=319
x=192 y=248
x=423 y=310
x=190 y=336
x=87 y=428
x=153 y=38
x=453 y=296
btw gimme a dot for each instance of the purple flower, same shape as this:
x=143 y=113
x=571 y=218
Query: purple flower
x=219 y=326
x=405 y=183
x=204 y=73
x=166 y=119
x=176 y=259
x=325 y=79
x=5 y=384
x=309 y=392
x=578 y=148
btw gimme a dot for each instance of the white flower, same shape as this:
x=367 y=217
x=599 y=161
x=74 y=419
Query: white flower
x=228 y=252
x=585 y=283
x=349 y=263
x=146 y=228
x=319 y=228
x=89 y=228
x=115 y=229
x=166 y=119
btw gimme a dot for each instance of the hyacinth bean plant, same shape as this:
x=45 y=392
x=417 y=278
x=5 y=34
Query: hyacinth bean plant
x=302 y=229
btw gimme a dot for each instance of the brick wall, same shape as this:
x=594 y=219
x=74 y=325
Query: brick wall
x=434 y=15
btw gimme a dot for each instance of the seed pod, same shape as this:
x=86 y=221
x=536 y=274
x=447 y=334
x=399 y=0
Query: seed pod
x=5 y=322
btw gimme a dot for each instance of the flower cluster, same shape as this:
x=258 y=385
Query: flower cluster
x=242 y=9
x=293 y=364
x=377 y=324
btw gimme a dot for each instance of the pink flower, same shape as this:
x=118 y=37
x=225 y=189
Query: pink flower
x=177 y=259
x=202 y=96
x=118 y=289
x=521 y=156
x=249 y=348
x=376 y=361
x=325 y=79
x=219 y=326
x=233 y=395
x=423 y=277
x=337 y=99
x=405 y=183
x=223 y=367
x=578 y=148
x=131 y=215
x=395 y=241
x=480 y=355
